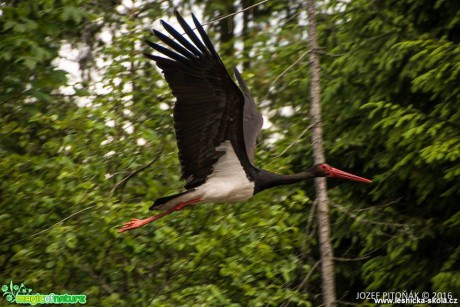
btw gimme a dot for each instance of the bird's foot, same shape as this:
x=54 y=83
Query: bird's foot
x=136 y=223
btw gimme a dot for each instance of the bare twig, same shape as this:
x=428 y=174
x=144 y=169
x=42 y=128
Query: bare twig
x=286 y=20
x=95 y=276
x=295 y=141
x=284 y=72
x=351 y=259
x=367 y=255
x=304 y=281
x=125 y=180
x=307 y=277
x=232 y=14
x=52 y=226
x=379 y=206
x=309 y=229
x=364 y=220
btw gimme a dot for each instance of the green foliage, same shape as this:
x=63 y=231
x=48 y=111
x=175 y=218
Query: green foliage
x=392 y=95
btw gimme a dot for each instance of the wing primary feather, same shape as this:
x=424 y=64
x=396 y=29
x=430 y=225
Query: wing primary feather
x=241 y=81
x=158 y=59
x=180 y=38
x=166 y=51
x=204 y=36
x=252 y=119
x=209 y=105
x=171 y=43
x=190 y=33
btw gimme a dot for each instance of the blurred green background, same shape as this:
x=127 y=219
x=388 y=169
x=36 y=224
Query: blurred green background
x=81 y=109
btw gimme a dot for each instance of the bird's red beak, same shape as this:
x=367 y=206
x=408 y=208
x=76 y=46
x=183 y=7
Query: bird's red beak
x=336 y=173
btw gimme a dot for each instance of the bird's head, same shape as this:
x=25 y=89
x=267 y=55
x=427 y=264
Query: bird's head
x=325 y=170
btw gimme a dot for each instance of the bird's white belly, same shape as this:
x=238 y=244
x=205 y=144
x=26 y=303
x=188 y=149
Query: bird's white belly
x=228 y=181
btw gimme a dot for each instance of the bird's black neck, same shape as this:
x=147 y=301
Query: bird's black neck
x=265 y=180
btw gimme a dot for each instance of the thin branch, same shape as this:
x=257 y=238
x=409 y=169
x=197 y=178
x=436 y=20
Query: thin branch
x=49 y=228
x=307 y=277
x=232 y=14
x=351 y=259
x=227 y=16
x=303 y=282
x=284 y=72
x=364 y=220
x=286 y=20
x=367 y=255
x=379 y=206
x=101 y=280
x=125 y=180
x=295 y=141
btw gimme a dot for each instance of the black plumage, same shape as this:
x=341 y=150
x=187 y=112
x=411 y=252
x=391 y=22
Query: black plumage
x=209 y=105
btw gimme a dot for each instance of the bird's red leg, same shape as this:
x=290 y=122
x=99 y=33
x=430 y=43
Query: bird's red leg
x=136 y=223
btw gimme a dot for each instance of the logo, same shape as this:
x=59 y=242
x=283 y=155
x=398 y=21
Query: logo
x=20 y=294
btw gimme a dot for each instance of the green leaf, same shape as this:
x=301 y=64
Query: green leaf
x=71 y=13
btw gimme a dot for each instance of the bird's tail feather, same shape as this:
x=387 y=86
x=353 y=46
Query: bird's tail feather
x=162 y=200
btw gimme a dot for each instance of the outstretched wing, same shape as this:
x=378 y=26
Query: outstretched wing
x=252 y=119
x=209 y=104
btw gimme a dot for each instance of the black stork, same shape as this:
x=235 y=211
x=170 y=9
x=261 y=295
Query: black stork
x=216 y=124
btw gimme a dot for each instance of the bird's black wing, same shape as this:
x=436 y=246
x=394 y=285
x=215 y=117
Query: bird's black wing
x=209 y=104
x=252 y=119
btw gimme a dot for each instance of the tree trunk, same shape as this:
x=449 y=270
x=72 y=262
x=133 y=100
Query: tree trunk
x=327 y=264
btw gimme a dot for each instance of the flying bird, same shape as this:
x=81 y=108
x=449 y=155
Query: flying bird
x=216 y=124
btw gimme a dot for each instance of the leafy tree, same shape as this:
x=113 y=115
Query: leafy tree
x=391 y=93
